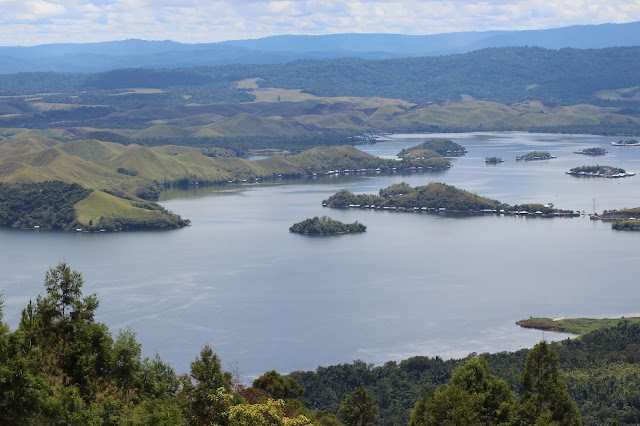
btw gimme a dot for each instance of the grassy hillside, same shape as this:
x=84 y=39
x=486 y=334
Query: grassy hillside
x=92 y=150
x=123 y=177
x=105 y=211
x=24 y=143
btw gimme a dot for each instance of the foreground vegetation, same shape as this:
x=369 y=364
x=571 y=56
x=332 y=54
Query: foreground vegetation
x=600 y=370
x=60 y=366
x=326 y=226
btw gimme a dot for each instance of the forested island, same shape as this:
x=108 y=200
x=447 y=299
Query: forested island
x=596 y=151
x=493 y=160
x=600 y=171
x=326 y=226
x=437 y=197
x=442 y=147
x=535 y=156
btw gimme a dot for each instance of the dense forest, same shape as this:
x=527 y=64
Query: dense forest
x=46 y=205
x=60 y=366
x=506 y=75
x=600 y=370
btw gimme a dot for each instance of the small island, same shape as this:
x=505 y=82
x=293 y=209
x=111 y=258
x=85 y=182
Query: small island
x=594 y=152
x=493 y=160
x=630 y=142
x=535 y=156
x=599 y=171
x=442 y=147
x=326 y=226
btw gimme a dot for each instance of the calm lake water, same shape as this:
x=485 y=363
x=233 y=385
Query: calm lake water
x=413 y=284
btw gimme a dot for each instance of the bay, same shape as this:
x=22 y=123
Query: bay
x=413 y=284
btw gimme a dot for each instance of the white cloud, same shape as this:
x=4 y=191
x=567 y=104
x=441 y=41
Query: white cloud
x=29 y=22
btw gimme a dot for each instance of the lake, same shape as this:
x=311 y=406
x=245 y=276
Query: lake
x=413 y=284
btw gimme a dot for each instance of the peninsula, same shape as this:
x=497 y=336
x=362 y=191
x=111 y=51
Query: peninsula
x=622 y=220
x=577 y=326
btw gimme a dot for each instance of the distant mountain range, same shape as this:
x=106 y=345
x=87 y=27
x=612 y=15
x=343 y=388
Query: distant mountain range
x=96 y=57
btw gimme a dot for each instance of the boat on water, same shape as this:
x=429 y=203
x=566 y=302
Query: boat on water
x=630 y=142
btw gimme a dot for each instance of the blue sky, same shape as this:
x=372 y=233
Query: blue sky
x=30 y=22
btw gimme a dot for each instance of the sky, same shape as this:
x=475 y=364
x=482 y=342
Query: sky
x=32 y=22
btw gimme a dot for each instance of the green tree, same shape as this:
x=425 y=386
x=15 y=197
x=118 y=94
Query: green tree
x=204 y=391
x=126 y=363
x=473 y=397
x=358 y=408
x=270 y=413
x=21 y=393
x=325 y=418
x=60 y=330
x=158 y=379
x=545 y=399
x=277 y=386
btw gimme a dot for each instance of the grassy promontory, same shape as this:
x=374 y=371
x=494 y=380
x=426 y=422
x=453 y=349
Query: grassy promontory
x=63 y=206
x=578 y=326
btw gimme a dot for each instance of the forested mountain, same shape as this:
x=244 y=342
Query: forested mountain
x=506 y=75
x=92 y=57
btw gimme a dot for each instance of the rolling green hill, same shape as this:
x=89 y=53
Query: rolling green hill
x=92 y=150
x=123 y=177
